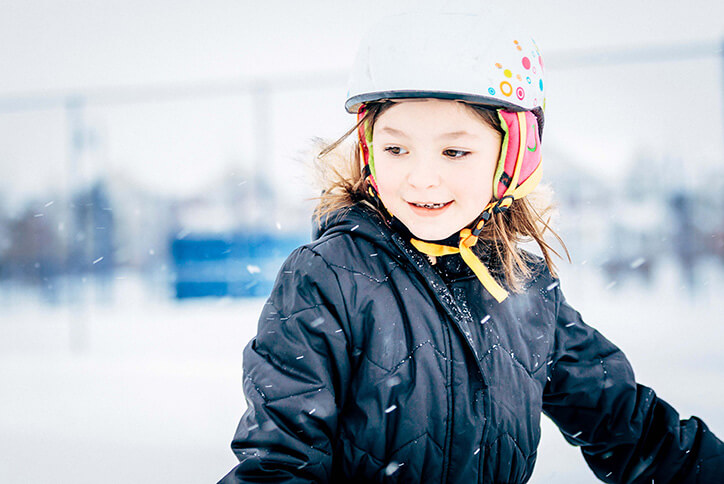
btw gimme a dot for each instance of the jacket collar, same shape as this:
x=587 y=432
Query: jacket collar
x=358 y=218
x=366 y=223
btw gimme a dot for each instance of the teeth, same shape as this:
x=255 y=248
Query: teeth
x=430 y=205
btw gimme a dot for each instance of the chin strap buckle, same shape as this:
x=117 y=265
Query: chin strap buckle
x=499 y=206
x=484 y=217
x=503 y=204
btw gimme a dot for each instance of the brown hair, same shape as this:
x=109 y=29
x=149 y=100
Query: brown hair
x=338 y=170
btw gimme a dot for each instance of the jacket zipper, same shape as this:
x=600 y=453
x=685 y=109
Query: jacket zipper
x=447 y=450
x=443 y=295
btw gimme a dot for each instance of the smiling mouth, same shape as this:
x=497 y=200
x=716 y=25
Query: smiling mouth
x=430 y=205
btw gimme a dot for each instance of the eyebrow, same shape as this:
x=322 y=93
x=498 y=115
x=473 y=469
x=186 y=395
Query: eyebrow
x=451 y=135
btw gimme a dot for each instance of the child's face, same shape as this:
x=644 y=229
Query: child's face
x=434 y=152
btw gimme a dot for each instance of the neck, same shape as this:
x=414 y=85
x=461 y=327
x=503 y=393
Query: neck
x=451 y=241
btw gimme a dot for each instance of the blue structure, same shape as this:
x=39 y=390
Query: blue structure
x=238 y=265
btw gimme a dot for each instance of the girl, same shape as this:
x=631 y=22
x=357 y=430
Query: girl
x=413 y=340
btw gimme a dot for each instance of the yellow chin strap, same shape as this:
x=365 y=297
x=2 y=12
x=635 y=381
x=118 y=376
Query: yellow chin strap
x=467 y=240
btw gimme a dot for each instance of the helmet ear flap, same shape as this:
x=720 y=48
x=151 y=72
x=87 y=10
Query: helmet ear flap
x=520 y=155
x=365 y=147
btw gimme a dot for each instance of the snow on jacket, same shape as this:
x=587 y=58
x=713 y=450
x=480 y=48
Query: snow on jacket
x=372 y=365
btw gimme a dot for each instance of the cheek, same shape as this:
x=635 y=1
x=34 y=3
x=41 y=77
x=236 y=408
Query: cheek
x=476 y=185
x=386 y=177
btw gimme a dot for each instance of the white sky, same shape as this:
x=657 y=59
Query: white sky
x=600 y=116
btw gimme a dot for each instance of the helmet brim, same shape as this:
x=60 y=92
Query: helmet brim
x=353 y=103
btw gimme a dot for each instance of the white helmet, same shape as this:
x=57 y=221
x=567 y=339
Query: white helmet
x=448 y=56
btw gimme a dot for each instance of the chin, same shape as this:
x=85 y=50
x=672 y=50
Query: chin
x=431 y=233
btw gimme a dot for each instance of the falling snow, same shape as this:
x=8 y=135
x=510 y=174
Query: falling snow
x=391 y=408
x=253 y=269
x=392 y=467
x=393 y=381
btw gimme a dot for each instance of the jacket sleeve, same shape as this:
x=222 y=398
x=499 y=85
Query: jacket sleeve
x=626 y=433
x=295 y=373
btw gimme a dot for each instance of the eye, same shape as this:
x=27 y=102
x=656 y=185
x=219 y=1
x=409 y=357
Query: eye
x=451 y=153
x=395 y=150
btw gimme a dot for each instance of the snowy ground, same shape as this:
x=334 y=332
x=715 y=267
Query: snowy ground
x=145 y=389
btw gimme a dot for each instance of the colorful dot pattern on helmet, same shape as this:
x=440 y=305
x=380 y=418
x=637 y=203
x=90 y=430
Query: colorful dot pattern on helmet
x=521 y=78
x=506 y=88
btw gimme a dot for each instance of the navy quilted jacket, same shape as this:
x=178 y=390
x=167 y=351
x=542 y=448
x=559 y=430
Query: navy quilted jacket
x=372 y=365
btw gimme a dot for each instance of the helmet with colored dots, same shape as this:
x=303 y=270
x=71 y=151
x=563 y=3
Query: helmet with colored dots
x=449 y=56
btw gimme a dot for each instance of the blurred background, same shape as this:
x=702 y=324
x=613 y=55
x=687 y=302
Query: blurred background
x=154 y=175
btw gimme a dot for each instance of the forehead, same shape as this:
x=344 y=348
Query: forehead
x=429 y=117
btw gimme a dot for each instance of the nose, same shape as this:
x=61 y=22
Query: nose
x=424 y=173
